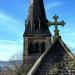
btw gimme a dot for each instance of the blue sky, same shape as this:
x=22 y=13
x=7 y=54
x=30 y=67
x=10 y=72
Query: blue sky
x=12 y=18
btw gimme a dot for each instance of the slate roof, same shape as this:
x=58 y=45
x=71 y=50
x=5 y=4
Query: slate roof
x=57 y=53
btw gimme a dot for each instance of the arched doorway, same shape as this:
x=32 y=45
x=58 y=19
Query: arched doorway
x=30 y=48
x=36 y=48
x=42 y=47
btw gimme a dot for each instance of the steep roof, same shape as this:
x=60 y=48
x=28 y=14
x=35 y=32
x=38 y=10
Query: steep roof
x=36 y=17
x=57 y=53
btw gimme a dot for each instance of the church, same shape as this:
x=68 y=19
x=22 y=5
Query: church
x=44 y=54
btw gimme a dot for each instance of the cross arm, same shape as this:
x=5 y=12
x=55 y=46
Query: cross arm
x=61 y=23
x=50 y=23
x=58 y=23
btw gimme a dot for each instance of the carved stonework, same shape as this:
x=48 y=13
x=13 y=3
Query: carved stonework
x=41 y=56
x=37 y=36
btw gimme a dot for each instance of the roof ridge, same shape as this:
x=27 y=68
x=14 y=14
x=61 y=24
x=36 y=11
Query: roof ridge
x=38 y=62
x=68 y=51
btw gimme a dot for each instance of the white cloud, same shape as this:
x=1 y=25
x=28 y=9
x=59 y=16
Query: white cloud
x=9 y=48
x=10 y=25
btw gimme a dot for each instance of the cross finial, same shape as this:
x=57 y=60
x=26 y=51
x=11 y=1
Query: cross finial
x=56 y=23
x=55 y=17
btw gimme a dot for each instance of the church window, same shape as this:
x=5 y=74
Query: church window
x=36 y=23
x=42 y=47
x=36 y=48
x=30 y=49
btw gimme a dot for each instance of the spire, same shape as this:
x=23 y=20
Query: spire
x=37 y=21
x=37 y=9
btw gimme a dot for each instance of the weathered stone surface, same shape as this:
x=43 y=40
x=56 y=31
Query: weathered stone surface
x=57 y=61
x=37 y=36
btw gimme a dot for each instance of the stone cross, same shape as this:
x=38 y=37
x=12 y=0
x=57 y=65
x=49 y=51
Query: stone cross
x=56 y=23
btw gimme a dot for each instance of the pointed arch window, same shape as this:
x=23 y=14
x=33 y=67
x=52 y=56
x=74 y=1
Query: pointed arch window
x=30 y=48
x=36 y=21
x=36 y=48
x=42 y=47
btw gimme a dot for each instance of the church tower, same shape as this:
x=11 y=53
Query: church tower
x=37 y=37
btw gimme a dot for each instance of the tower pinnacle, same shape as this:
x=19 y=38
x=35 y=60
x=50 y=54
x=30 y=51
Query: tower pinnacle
x=37 y=9
x=31 y=2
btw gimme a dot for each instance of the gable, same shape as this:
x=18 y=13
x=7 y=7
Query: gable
x=54 y=60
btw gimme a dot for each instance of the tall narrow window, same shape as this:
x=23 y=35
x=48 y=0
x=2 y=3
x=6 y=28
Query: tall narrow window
x=30 y=49
x=36 y=48
x=36 y=23
x=42 y=47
